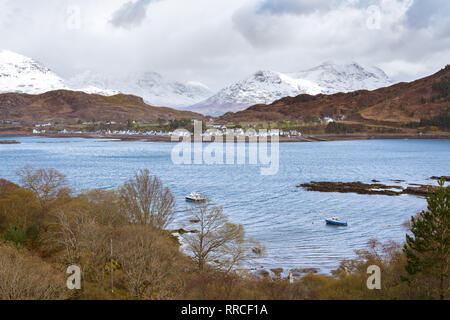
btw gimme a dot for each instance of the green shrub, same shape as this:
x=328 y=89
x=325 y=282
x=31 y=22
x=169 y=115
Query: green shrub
x=16 y=235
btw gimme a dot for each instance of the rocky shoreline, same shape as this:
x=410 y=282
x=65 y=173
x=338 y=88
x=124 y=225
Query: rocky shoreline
x=366 y=188
x=282 y=139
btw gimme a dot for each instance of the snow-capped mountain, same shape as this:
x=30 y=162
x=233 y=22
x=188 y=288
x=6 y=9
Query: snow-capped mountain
x=333 y=78
x=22 y=74
x=261 y=87
x=267 y=86
x=151 y=86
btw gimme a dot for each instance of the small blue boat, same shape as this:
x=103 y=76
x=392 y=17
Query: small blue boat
x=336 y=222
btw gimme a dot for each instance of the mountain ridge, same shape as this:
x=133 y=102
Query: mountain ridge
x=397 y=104
x=70 y=107
x=266 y=86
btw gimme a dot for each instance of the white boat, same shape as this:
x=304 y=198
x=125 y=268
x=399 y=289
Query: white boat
x=195 y=197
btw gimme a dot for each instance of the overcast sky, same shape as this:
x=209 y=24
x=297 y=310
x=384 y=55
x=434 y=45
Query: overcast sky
x=220 y=41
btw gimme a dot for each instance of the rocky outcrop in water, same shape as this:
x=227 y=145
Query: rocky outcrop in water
x=365 y=188
x=9 y=142
x=445 y=178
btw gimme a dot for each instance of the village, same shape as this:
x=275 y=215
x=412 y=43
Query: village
x=108 y=129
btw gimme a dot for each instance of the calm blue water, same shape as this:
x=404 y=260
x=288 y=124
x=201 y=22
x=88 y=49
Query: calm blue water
x=287 y=220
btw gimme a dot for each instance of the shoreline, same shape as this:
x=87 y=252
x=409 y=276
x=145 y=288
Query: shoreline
x=297 y=139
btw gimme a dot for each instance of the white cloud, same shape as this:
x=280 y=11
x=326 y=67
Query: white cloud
x=217 y=42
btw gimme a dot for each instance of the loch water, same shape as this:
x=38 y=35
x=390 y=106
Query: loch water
x=288 y=220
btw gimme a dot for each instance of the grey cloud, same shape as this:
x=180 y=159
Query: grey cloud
x=421 y=14
x=259 y=32
x=131 y=14
x=295 y=6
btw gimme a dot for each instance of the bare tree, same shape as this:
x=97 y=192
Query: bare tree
x=67 y=232
x=96 y=252
x=26 y=277
x=218 y=241
x=45 y=183
x=105 y=207
x=145 y=200
x=80 y=239
x=239 y=252
x=149 y=262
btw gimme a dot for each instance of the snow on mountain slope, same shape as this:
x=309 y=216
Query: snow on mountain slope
x=261 y=87
x=345 y=78
x=151 y=86
x=22 y=74
x=268 y=86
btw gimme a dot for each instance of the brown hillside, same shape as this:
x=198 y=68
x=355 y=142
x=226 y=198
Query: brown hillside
x=72 y=106
x=394 y=105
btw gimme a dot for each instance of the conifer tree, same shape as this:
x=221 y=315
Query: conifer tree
x=427 y=248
